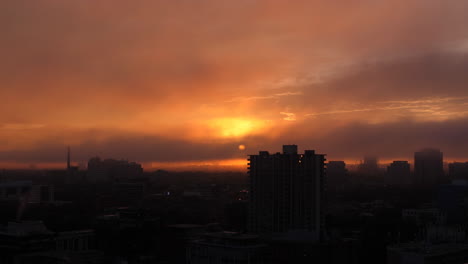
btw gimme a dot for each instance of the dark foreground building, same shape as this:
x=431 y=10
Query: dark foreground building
x=286 y=192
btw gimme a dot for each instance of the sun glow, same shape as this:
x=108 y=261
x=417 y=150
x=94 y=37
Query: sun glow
x=236 y=127
x=227 y=164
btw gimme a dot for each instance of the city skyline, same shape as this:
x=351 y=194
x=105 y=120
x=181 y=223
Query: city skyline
x=233 y=132
x=185 y=84
x=219 y=165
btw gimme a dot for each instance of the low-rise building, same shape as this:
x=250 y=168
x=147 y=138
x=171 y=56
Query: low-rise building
x=27 y=191
x=425 y=253
x=424 y=216
x=21 y=242
x=226 y=247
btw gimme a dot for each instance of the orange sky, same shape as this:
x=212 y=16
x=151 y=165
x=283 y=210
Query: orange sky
x=187 y=82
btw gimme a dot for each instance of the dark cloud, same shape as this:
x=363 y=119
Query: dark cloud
x=399 y=139
x=132 y=147
x=434 y=75
x=385 y=140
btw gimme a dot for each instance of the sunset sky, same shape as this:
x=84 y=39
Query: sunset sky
x=185 y=82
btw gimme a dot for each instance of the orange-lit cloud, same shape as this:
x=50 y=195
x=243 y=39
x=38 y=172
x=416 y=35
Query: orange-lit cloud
x=189 y=81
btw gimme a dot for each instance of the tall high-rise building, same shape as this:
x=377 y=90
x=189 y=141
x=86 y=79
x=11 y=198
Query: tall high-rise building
x=399 y=173
x=428 y=166
x=68 y=158
x=72 y=171
x=287 y=192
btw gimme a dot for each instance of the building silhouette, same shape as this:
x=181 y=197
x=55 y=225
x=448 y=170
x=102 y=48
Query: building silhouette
x=26 y=242
x=452 y=200
x=423 y=252
x=428 y=166
x=337 y=175
x=287 y=192
x=369 y=167
x=458 y=170
x=68 y=159
x=399 y=173
x=72 y=174
x=27 y=191
x=110 y=169
x=226 y=247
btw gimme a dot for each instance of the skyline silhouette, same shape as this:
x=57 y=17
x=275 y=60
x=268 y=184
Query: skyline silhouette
x=167 y=132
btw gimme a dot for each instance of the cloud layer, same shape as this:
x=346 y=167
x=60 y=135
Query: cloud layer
x=186 y=81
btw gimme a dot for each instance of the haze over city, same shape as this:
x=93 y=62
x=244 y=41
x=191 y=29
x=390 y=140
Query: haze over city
x=185 y=83
x=233 y=132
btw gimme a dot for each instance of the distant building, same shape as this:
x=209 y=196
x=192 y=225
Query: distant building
x=128 y=231
x=290 y=149
x=458 y=170
x=369 y=167
x=73 y=174
x=452 y=199
x=129 y=191
x=428 y=166
x=79 y=240
x=286 y=192
x=179 y=239
x=78 y=246
x=296 y=247
x=26 y=242
x=31 y=242
x=111 y=169
x=226 y=247
x=337 y=175
x=26 y=191
x=426 y=253
x=399 y=173
x=236 y=214
x=424 y=216
x=438 y=234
